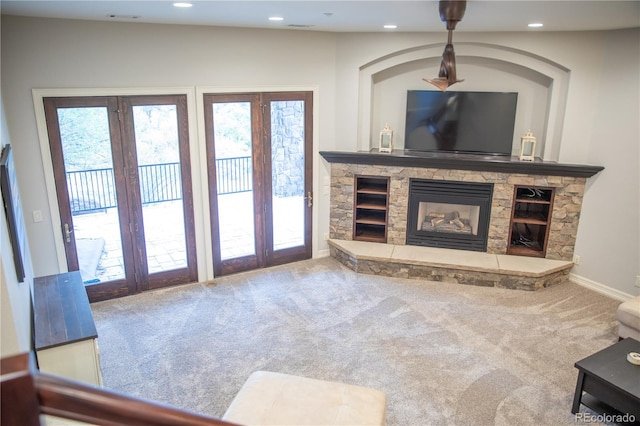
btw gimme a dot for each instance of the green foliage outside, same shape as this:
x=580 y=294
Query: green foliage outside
x=86 y=141
x=232 y=129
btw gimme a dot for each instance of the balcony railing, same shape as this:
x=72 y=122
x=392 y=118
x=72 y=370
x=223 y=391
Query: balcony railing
x=234 y=175
x=93 y=190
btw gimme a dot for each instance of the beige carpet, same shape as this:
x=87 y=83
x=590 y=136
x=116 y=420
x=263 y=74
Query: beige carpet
x=443 y=353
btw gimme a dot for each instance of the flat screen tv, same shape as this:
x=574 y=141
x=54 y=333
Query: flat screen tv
x=460 y=122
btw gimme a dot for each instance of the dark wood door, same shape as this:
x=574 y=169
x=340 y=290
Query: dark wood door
x=259 y=154
x=122 y=173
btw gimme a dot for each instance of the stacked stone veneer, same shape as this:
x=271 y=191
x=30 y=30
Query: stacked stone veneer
x=458 y=275
x=287 y=152
x=567 y=203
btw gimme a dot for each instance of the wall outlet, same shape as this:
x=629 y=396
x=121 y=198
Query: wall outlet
x=637 y=280
x=326 y=236
x=576 y=259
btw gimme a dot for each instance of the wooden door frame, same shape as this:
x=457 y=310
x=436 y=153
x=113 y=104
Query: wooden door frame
x=261 y=180
x=111 y=289
x=127 y=190
x=295 y=253
x=175 y=276
x=230 y=266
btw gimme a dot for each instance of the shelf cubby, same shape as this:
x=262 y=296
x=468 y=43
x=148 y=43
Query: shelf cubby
x=371 y=207
x=530 y=221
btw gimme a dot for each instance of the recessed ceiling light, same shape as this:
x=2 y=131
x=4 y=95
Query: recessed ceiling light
x=536 y=25
x=182 y=4
x=391 y=26
x=276 y=18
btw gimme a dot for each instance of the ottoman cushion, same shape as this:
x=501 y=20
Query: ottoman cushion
x=269 y=398
x=628 y=315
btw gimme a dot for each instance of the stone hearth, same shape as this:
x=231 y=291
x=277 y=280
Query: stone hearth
x=447 y=265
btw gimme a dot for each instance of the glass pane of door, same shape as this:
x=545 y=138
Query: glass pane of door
x=86 y=146
x=158 y=154
x=234 y=177
x=288 y=173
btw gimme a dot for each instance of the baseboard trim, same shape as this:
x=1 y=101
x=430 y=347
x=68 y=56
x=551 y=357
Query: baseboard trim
x=323 y=253
x=600 y=288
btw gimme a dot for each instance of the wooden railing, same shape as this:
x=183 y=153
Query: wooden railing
x=28 y=393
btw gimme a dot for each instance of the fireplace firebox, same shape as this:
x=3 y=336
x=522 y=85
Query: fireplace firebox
x=449 y=214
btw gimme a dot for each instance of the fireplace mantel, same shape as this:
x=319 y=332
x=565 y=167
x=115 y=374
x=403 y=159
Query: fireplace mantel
x=482 y=163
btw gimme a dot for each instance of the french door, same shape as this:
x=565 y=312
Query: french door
x=123 y=184
x=259 y=159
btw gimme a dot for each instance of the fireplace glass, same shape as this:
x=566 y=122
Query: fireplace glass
x=449 y=214
x=451 y=218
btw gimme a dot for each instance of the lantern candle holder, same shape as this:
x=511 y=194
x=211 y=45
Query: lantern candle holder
x=527 y=147
x=386 y=140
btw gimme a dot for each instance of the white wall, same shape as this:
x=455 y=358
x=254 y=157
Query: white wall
x=52 y=54
x=15 y=324
x=581 y=53
x=609 y=238
x=48 y=53
x=483 y=75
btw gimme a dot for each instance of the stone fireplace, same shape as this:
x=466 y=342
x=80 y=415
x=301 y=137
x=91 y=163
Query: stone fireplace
x=448 y=214
x=503 y=175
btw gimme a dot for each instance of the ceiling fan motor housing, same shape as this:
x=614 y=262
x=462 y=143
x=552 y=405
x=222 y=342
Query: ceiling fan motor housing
x=451 y=12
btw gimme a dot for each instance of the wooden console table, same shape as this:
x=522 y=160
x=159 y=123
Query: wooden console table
x=65 y=333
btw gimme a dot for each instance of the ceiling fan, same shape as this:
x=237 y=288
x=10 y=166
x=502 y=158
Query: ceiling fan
x=451 y=12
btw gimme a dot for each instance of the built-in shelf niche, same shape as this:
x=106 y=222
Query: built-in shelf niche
x=530 y=221
x=371 y=207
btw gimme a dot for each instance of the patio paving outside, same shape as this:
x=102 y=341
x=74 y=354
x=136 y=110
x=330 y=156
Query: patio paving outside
x=165 y=237
x=163 y=232
x=236 y=223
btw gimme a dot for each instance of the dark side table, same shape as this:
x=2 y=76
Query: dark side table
x=610 y=382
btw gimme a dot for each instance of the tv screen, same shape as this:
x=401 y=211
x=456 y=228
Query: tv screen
x=464 y=122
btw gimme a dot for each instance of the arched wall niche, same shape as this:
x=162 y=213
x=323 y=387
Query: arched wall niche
x=541 y=85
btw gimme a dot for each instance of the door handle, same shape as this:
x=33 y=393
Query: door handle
x=309 y=198
x=67 y=232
